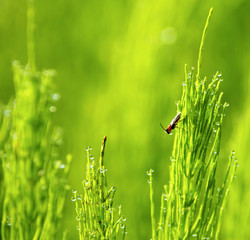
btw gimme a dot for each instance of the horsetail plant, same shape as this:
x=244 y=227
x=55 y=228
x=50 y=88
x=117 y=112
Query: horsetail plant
x=95 y=213
x=193 y=202
x=33 y=179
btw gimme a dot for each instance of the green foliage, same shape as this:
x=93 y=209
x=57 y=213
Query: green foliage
x=193 y=202
x=33 y=179
x=118 y=76
x=96 y=215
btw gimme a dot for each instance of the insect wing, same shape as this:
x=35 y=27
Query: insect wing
x=176 y=119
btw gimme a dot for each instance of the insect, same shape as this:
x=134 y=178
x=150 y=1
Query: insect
x=173 y=123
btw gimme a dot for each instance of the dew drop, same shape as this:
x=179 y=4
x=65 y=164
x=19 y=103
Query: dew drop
x=149 y=173
x=62 y=166
x=86 y=183
x=88 y=149
x=7 y=113
x=8 y=221
x=172 y=159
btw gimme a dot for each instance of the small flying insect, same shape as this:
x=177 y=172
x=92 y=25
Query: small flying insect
x=173 y=123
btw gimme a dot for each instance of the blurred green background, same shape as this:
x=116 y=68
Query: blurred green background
x=120 y=66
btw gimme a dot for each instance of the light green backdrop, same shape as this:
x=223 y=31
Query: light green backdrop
x=120 y=66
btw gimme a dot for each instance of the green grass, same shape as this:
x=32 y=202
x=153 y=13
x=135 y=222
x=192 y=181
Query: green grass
x=192 y=203
x=96 y=215
x=34 y=181
x=33 y=178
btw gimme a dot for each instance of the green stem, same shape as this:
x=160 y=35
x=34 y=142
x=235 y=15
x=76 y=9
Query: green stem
x=202 y=45
x=152 y=204
x=30 y=35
